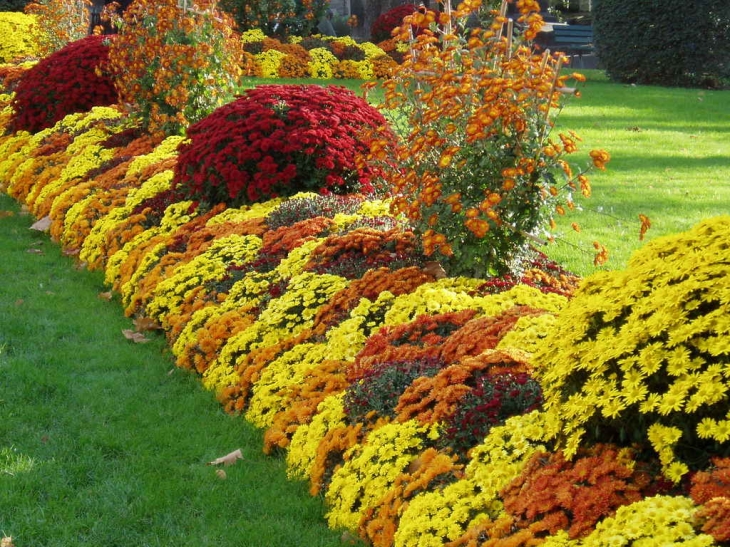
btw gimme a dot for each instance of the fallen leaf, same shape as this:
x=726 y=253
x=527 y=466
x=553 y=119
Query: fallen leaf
x=35 y=251
x=71 y=252
x=105 y=295
x=220 y=474
x=435 y=269
x=7 y=541
x=6 y=214
x=136 y=337
x=42 y=225
x=24 y=210
x=142 y=324
x=79 y=266
x=228 y=459
x=19 y=302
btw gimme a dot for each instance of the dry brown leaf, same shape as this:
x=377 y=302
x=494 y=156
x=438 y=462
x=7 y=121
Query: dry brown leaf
x=35 y=251
x=42 y=225
x=6 y=541
x=228 y=459
x=142 y=324
x=136 y=337
x=6 y=214
x=435 y=269
x=19 y=302
x=221 y=474
x=105 y=295
x=24 y=210
x=71 y=252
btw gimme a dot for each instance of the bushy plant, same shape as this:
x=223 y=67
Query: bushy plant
x=17 y=40
x=276 y=17
x=58 y=22
x=376 y=393
x=390 y=20
x=278 y=140
x=67 y=81
x=668 y=43
x=493 y=399
x=640 y=355
x=13 y=5
x=478 y=174
x=174 y=65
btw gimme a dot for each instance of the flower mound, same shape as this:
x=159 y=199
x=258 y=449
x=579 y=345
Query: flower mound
x=277 y=140
x=642 y=355
x=63 y=83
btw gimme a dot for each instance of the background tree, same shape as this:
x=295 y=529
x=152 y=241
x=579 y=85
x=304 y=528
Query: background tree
x=667 y=42
x=276 y=17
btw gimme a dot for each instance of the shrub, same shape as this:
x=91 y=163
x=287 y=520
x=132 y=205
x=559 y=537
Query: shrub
x=68 y=81
x=59 y=22
x=390 y=20
x=17 y=42
x=667 y=43
x=478 y=174
x=278 y=140
x=276 y=17
x=640 y=355
x=13 y=5
x=174 y=66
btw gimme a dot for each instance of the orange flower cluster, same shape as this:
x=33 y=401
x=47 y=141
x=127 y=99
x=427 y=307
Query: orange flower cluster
x=379 y=522
x=301 y=402
x=430 y=400
x=369 y=286
x=478 y=174
x=58 y=22
x=174 y=66
x=553 y=494
x=330 y=455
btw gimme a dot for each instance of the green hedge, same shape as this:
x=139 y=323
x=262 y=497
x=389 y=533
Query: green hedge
x=664 y=42
x=13 y=5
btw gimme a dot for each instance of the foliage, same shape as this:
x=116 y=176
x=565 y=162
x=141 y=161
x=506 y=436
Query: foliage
x=494 y=398
x=13 y=5
x=638 y=356
x=58 y=22
x=276 y=17
x=278 y=140
x=67 y=81
x=390 y=20
x=376 y=393
x=17 y=42
x=666 y=43
x=478 y=174
x=174 y=65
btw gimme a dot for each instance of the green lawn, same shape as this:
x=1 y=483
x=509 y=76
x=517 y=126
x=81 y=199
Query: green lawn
x=104 y=442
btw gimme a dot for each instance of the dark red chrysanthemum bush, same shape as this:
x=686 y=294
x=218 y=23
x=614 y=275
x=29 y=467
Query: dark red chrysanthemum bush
x=67 y=81
x=277 y=140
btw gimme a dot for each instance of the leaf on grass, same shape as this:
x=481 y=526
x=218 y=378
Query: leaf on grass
x=35 y=251
x=136 y=337
x=142 y=324
x=71 y=252
x=228 y=459
x=42 y=225
x=105 y=295
x=6 y=541
x=19 y=302
x=4 y=214
x=24 y=210
x=220 y=474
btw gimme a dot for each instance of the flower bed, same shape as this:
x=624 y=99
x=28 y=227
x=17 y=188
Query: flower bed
x=410 y=401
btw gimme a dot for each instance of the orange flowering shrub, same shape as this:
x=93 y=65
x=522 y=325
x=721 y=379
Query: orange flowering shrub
x=478 y=173
x=174 y=65
x=553 y=494
x=58 y=22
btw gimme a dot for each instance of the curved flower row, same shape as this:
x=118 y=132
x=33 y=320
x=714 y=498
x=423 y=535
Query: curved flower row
x=408 y=400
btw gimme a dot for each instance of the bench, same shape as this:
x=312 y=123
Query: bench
x=573 y=41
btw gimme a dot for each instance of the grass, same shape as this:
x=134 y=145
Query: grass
x=670 y=151
x=104 y=442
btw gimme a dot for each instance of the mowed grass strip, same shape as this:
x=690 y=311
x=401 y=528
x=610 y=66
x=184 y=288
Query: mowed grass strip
x=103 y=442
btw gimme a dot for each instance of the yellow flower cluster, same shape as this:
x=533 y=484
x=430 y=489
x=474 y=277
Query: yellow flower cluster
x=17 y=40
x=646 y=349
x=370 y=469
